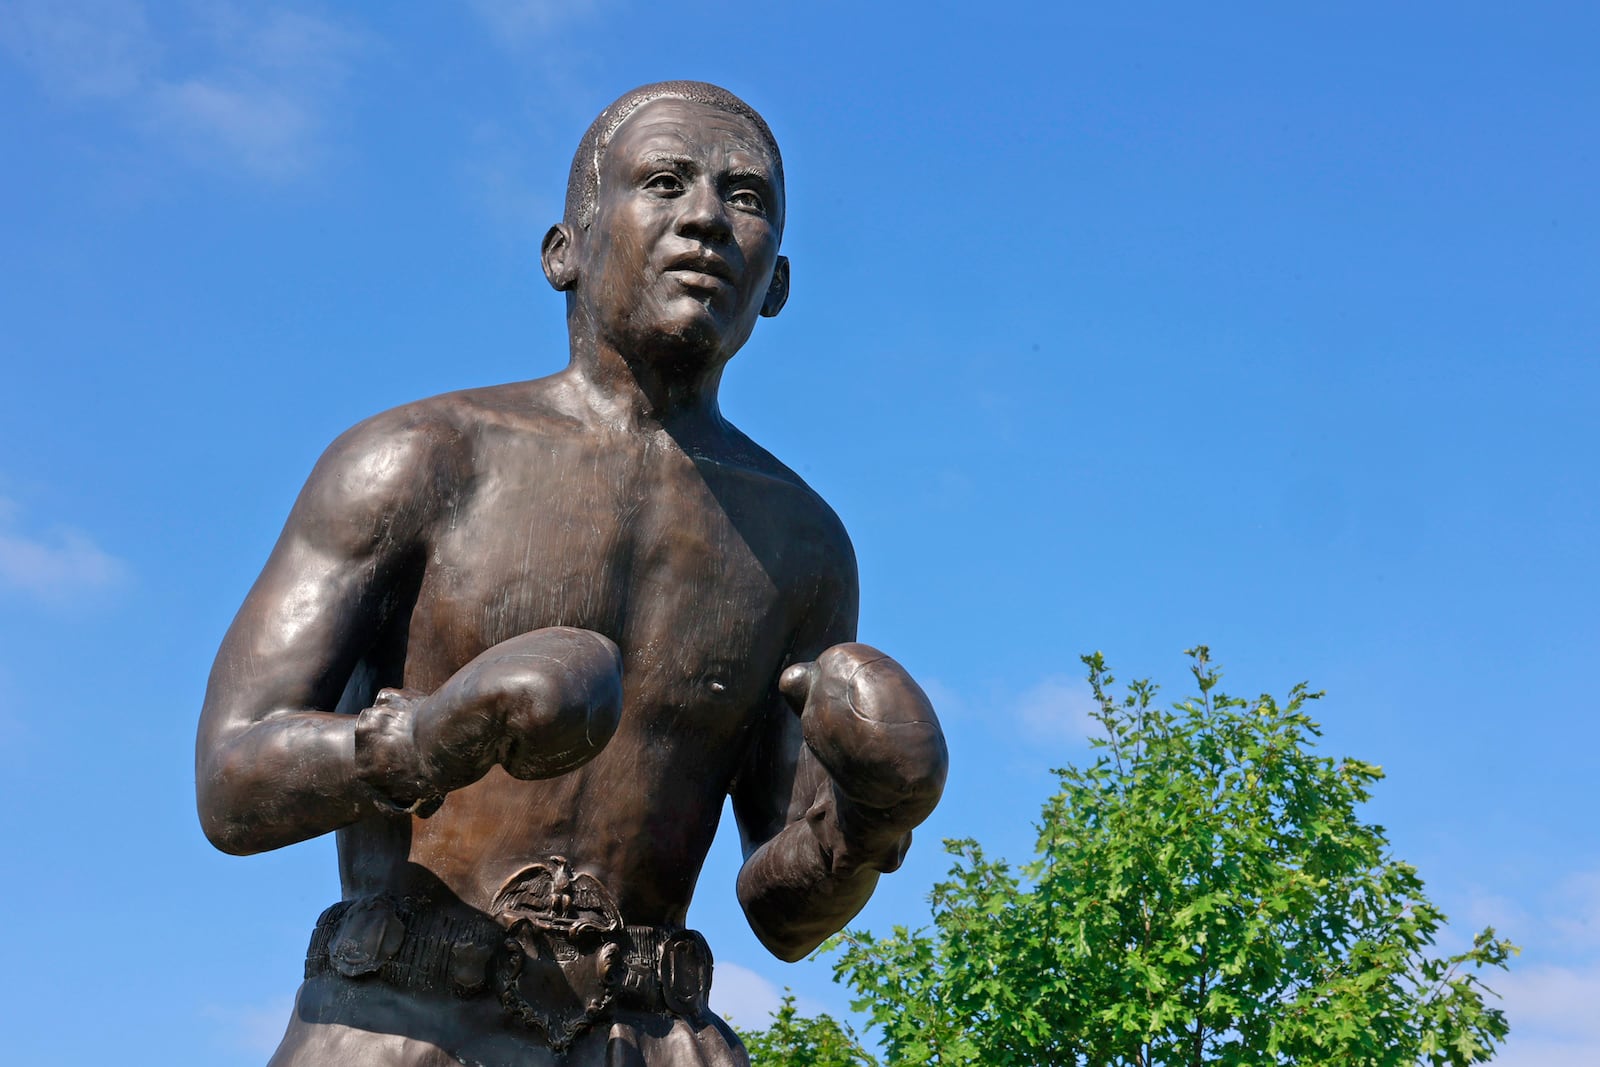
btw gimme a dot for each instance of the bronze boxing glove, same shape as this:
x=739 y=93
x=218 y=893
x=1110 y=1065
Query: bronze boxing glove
x=872 y=727
x=540 y=704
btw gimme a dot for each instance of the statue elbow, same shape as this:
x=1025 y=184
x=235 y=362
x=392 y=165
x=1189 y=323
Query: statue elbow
x=225 y=817
x=227 y=838
x=225 y=834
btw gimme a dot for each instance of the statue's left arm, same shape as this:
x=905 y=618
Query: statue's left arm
x=850 y=758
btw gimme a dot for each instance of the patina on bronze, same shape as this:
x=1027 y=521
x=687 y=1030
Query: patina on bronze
x=516 y=645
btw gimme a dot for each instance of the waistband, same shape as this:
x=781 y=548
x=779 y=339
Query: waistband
x=555 y=953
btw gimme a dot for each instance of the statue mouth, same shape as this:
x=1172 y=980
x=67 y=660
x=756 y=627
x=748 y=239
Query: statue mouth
x=695 y=281
x=700 y=270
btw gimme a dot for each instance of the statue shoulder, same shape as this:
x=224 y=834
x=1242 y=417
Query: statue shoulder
x=826 y=581
x=812 y=522
x=382 y=481
x=827 y=532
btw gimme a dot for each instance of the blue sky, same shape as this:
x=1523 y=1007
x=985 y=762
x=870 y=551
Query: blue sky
x=1113 y=327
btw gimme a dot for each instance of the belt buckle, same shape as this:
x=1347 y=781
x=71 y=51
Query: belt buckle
x=684 y=966
x=368 y=936
x=564 y=959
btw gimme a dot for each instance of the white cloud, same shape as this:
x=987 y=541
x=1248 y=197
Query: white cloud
x=1058 y=707
x=256 y=92
x=1550 y=1005
x=750 y=1000
x=61 y=565
x=740 y=994
x=267 y=132
x=508 y=170
x=1537 y=1053
x=1553 y=1018
x=1554 y=1002
x=1563 y=922
x=253 y=1028
x=263 y=101
x=1487 y=909
x=91 y=49
x=515 y=23
x=1576 y=911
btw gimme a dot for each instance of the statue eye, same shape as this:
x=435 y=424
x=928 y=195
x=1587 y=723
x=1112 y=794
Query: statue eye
x=748 y=200
x=664 y=182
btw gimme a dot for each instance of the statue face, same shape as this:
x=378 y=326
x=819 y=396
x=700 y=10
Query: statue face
x=681 y=252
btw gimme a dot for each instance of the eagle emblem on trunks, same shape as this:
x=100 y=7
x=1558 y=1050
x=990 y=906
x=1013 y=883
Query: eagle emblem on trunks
x=565 y=954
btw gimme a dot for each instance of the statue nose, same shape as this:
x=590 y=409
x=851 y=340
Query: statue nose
x=703 y=212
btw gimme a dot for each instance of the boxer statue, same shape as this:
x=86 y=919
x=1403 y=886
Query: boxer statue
x=516 y=644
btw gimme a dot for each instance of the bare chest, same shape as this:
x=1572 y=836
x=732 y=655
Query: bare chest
x=693 y=572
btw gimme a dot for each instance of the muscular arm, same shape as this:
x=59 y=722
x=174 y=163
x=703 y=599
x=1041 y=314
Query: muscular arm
x=829 y=795
x=273 y=763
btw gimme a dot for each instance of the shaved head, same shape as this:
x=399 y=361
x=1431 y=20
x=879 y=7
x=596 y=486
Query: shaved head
x=583 y=183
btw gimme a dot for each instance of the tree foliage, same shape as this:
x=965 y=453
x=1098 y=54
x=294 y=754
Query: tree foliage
x=795 y=1040
x=1204 y=893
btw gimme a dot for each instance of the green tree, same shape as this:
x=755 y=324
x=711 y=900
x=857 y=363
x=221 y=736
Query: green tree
x=1205 y=893
x=794 y=1040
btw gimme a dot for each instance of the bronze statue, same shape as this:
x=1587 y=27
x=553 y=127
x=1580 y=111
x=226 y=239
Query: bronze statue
x=516 y=644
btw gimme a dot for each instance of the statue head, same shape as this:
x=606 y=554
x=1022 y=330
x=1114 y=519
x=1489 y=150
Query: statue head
x=583 y=181
x=674 y=213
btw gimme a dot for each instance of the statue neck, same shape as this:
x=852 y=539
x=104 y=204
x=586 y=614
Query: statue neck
x=662 y=389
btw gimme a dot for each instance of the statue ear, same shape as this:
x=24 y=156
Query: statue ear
x=778 y=290
x=558 y=256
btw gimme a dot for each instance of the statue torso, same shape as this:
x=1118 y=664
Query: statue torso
x=700 y=565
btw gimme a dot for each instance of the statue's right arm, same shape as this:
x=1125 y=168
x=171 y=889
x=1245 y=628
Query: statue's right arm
x=273 y=763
